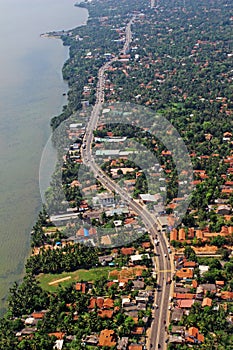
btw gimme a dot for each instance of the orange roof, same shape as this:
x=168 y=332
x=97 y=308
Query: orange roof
x=96 y=301
x=138 y=330
x=191 y=232
x=193 y=331
x=107 y=338
x=220 y=283
x=194 y=283
x=81 y=287
x=127 y=251
x=206 y=302
x=135 y=347
x=146 y=244
x=181 y=234
x=108 y=303
x=201 y=337
x=189 y=264
x=173 y=235
x=184 y=273
x=184 y=295
x=58 y=335
x=38 y=315
x=185 y=303
x=226 y=295
x=111 y=283
x=199 y=234
x=105 y=313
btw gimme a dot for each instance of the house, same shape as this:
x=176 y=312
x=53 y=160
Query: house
x=138 y=330
x=184 y=273
x=181 y=234
x=194 y=336
x=80 y=287
x=105 y=313
x=108 y=303
x=206 y=302
x=137 y=285
x=126 y=302
x=107 y=338
x=185 y=303
x=173 y=235
x=184 y=295
x=105 y=259
x=139 y=257
x=122 y=343
x=203 y=269
x=191 y=264
x=105 y=199
x=163 y=223
x=38 y=315
x=135 y=347
x=226 y=295
x=91 y=340
x=178 y=330
x=177 y=315
x=127 y=251
x=208 y=287
x=98 y=302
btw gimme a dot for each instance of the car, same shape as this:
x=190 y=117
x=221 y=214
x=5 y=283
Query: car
x=156 y=306
x=165 y=255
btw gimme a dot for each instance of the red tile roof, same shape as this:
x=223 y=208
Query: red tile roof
x=80 y=287
x=127 y=251
x=105 y=313
x=184 y=273
x=206 y=302
x=38 y=315
x=107 y=338
x=185 y=304
x=135 y=347
x=138 y=330
x=108 y=303
x=184 y=295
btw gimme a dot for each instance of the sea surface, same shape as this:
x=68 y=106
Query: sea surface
x=31 y=92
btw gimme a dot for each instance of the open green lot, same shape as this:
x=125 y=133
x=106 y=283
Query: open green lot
x=50 y=282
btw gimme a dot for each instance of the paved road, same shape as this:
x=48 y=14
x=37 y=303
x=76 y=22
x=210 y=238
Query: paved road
x=163 y=265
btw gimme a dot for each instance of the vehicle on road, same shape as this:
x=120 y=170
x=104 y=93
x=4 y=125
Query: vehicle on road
x=165 y=255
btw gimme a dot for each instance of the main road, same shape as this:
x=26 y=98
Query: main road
x=162 y=261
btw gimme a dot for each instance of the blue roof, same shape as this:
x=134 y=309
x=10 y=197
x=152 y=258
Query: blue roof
x=86 y=233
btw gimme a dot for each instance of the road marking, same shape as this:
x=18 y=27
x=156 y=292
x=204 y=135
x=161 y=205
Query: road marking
x=164 y=271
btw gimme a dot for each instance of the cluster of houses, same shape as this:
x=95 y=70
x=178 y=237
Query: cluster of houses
x=186 y=292
x=133 y=298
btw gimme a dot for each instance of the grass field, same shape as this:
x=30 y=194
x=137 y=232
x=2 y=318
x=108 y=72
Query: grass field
x=48 y=281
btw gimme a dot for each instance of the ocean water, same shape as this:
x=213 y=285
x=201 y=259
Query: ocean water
x=31 y=92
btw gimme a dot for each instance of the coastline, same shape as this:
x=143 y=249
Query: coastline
x=19 y=271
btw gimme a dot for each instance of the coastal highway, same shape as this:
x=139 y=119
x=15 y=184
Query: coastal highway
x=162 y=264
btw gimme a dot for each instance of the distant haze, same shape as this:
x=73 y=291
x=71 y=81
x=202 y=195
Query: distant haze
x=31 y=89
